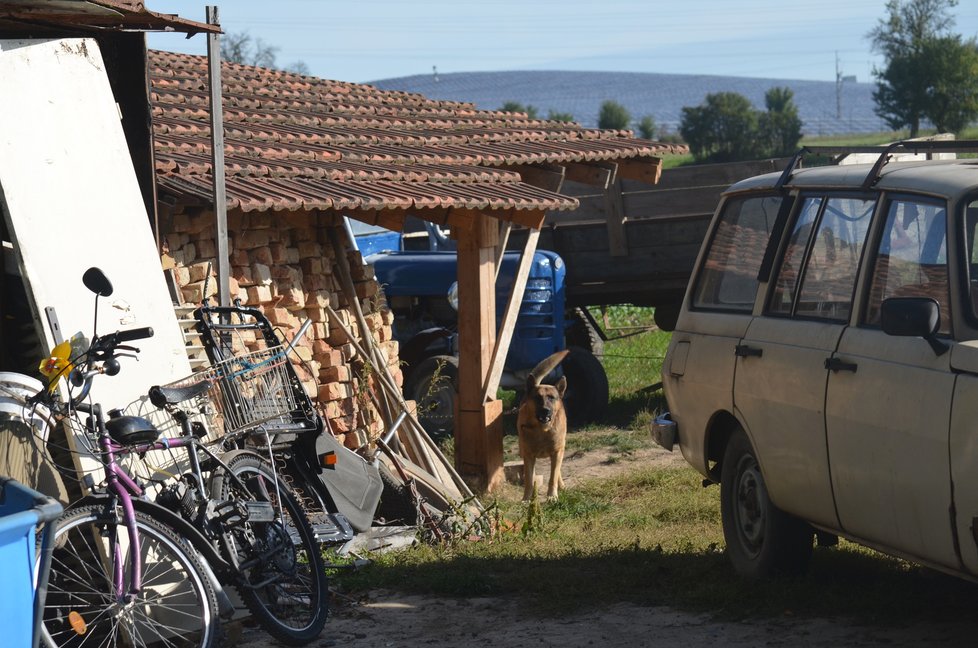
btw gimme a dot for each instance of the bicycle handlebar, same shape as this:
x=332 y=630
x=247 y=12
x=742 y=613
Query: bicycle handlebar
x=134 y=334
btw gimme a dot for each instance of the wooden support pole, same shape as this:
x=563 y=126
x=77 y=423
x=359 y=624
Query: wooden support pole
x=478 y=424
x=217 y=160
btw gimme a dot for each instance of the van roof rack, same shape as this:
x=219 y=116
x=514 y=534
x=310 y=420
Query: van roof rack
x=885 y=153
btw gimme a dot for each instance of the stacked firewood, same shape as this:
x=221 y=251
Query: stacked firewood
x=285 y=265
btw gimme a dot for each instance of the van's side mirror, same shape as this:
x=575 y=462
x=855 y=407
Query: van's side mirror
x=913 y=317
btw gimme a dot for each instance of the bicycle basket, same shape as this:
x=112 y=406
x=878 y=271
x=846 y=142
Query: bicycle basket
x=246 y=391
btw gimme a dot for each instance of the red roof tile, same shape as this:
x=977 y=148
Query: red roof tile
x=296 y=142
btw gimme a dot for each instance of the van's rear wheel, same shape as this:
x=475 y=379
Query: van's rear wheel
x=762 y=540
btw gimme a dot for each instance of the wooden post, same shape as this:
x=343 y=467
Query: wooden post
x=217 y=158
x=478 y=424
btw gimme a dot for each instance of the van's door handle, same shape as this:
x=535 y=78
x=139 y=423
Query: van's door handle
x=838 y=364
x=746 y=351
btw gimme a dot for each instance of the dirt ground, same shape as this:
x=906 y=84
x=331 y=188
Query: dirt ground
x=389 y=619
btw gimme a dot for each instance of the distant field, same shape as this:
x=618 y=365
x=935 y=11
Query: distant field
x=660 y=95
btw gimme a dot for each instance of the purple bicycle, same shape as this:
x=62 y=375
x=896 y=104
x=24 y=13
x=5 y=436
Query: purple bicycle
x=129 y=571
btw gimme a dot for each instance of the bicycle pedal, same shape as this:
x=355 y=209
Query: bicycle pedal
x=333 y=528
x=260 y=511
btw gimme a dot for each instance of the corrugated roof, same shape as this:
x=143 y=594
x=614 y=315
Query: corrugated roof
x=294 y=142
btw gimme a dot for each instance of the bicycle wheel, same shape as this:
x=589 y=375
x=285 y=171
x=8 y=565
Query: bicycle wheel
x=283 y=581
x=175 y=607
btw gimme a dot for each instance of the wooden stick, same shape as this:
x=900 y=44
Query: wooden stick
x=388 y=383
x=346 y=283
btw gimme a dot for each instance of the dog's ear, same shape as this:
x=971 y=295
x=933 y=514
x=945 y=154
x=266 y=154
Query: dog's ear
x=561 y=386
x=532 y=382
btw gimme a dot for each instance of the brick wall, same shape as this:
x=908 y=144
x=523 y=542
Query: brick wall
x=284 y=264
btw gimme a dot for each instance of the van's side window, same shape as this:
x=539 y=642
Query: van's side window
x=971 y=237
x=728 y=278
x=817 y=277
x=912 y=258
x=794 y=256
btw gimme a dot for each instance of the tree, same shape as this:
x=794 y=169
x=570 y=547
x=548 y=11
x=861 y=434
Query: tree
x=646 y=127
x=723 y=129
x=517 y=107
x=780 y=127
x=928 y=72
x=299 y=67
x=909 y=23
x=243 y=48
x=554 y=115
x=613 y=115
x=954 y=88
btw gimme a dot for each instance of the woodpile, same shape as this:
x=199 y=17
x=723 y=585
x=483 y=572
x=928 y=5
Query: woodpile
x=285 y=265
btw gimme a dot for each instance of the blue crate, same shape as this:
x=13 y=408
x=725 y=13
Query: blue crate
x=22 y=510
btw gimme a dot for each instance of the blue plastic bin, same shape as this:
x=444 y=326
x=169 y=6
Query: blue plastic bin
x=22 y=510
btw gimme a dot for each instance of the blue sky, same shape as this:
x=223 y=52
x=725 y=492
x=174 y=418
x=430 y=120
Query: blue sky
x=365 y=40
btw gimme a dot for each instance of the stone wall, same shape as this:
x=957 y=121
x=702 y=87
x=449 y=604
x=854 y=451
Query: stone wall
x=284 y=264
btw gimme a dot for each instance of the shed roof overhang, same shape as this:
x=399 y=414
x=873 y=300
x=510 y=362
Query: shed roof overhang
x=112 y=15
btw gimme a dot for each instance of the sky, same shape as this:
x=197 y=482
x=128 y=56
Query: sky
x=367 y=40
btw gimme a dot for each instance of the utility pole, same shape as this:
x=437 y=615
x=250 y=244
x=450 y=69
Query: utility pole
x=839 y=80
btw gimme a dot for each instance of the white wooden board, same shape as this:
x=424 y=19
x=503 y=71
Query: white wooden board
x=72 y=202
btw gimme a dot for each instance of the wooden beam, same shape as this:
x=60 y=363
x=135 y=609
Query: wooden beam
x=392 y=220
x=647 y=170
x=478 y=426
x=596 y=175
x=505 y=227
x=532 y=218
x=505 y=336
x=615 y=212
x=544 y=176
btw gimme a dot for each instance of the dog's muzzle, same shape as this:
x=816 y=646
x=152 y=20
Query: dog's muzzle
x=545 y=416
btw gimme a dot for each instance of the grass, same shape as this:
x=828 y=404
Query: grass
x=651 y=536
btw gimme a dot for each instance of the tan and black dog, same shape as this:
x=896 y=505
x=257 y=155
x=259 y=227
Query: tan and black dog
x=542 y=424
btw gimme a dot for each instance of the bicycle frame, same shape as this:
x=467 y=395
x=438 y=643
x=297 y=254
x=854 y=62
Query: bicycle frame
x=122 y=487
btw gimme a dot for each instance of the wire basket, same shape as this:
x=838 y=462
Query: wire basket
x=246 y=391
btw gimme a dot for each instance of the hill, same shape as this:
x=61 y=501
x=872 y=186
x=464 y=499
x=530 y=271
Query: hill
x=644 y=93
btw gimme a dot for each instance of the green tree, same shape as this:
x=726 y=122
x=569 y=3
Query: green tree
x=780 y=127
x=517 y=107
x=723 y=129
x=646 y=127
x=954 y=83
x=613 y=115
x=555 y=115
x=928 y=72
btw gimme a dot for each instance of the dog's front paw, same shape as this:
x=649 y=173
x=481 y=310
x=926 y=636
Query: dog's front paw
x=552 y=497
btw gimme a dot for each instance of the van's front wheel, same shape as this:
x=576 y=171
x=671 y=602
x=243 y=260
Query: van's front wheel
x=762 y=540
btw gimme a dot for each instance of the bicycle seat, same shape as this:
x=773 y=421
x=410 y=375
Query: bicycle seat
x=163 y=396
x=130 y=430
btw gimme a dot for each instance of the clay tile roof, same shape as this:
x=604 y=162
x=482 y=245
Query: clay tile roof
x=295 y=142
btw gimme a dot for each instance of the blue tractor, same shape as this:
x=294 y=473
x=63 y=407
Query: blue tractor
x=420 y=287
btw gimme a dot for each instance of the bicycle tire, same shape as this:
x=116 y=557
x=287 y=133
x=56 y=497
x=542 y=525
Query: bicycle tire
x=287 y=592
x=176 y=606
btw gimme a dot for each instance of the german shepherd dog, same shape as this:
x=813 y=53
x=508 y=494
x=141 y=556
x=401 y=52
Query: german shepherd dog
x=542 y=424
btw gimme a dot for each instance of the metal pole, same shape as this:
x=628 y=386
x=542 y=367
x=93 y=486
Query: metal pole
x=217 y=160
